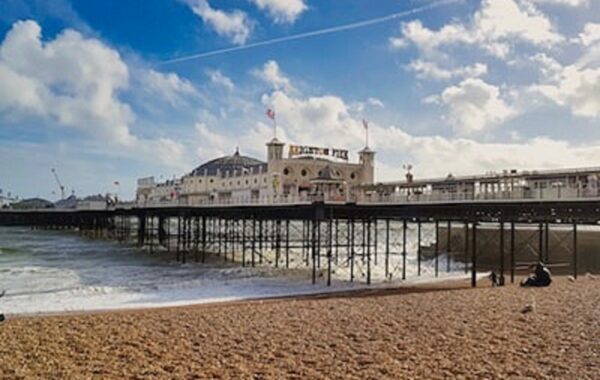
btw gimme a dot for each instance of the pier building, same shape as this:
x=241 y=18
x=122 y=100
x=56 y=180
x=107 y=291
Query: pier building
x=305 y=172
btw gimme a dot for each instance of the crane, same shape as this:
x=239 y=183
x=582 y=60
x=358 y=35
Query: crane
x=60 y=185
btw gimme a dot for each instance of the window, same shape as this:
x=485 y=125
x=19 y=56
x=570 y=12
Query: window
x=286 y=171
x=303 y=173
x=352 y=176
x=211 y=180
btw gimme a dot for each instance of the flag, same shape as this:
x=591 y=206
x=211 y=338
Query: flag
x=271 y=114
x=365 y=124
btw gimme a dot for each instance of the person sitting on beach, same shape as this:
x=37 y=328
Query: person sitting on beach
x=539 y=276
x=2 y=318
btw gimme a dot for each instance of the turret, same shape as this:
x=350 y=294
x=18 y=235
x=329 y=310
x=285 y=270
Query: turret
x=274 y=150
x=367 y=161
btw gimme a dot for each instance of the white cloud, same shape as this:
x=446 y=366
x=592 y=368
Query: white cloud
x=375 y=102
x=590 y=34
x=548 y=66
x=360 y=106
x=493 y=28
x=473 y=105
x=71 y=80
x=274 y=77
x=74 y=82
x=169 y=86
x=169 y=152
x=218 y=78
x=326 y=119
x=575 y=86
x=212 y=140
x=571 y=3
x=431 y=70
x=438 y=156
x=578 y=89
x=282 y=11
x=234 y=25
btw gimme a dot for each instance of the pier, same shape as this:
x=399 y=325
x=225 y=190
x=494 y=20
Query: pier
x=478 y=236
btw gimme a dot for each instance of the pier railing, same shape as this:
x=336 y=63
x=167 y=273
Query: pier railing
x=520 y=195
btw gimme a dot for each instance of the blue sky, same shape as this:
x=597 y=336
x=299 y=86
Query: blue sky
x=90 y=87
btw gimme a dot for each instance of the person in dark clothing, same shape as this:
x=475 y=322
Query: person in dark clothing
x=2 y=318
x=539 y=277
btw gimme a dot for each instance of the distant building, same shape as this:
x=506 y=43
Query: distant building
x=6 y=200
x=307 y=172
x=32 y=204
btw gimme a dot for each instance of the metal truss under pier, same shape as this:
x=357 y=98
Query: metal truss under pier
x=356 y=242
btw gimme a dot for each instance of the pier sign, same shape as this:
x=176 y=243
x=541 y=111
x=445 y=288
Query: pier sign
x=304 y=150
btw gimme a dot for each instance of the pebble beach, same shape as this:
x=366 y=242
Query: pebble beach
x=426 y=332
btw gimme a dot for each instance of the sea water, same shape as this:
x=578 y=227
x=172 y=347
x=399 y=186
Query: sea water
x=58 y=271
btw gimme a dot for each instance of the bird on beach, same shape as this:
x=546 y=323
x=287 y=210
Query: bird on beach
x=528 y=308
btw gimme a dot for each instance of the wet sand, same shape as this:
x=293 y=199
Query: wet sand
x=427 y=332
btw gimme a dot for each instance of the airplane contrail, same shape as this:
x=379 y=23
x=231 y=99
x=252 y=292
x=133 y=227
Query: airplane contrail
x=334 y=29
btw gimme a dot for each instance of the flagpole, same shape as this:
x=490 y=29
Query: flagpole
x=271 y=115
x=366 y=126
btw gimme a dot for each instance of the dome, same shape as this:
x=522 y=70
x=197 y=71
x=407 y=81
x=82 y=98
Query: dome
x=235 y=162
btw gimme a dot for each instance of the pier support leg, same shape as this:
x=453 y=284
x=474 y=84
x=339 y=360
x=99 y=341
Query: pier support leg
x=512 y=252
x=352 y=250
x=196 y=238
x=575 y=250
x=404 y=227
x=243 y=242
x=369 y=252
x=474 y=257
x=277 y=242
x=437 y=247
x=541 y=242
x=375 y=241
x=387 y=249
x=547 y=243
x=314 y=251
x=448 y=245
x=260 y=241
x=204 y=247
x=466 y=257
x=178 y=249
x=501 y=278
x=141 y=234
x=419 y=248
x=329 y=251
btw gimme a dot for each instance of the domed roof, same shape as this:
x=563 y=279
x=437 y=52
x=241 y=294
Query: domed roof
x=235 y=162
